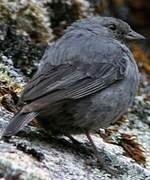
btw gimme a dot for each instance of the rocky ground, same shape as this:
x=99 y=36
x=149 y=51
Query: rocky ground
x=26 y=27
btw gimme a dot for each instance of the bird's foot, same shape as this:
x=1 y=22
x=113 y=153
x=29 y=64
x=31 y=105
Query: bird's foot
x=103 y=164
x=102 y=160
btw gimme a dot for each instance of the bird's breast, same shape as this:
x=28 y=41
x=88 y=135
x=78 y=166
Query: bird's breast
x=132 y=76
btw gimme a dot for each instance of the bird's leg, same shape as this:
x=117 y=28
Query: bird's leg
x=96 y=152
x=74 y=141
x=102 y=160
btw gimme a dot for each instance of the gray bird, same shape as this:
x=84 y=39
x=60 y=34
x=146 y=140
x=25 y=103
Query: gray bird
x=87 y=79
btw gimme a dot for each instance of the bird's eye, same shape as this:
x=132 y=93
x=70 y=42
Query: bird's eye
x=113 y=27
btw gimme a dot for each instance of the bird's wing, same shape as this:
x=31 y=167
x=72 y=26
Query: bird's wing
x=76 y=78
x=64 y=84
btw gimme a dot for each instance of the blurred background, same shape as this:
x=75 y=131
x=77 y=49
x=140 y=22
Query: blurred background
x=26 y=26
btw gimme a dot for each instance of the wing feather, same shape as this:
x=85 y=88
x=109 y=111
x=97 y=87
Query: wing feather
x=75 y=77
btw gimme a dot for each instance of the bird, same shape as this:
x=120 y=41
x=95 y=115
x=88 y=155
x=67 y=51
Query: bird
x=86 y=80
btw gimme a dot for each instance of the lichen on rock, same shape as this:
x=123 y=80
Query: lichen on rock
x=27 y=16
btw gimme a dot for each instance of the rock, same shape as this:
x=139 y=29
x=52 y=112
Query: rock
x=7 y=68
x=28 y=17
x=21 y=50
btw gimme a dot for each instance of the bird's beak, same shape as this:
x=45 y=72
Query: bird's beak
x=132 y=35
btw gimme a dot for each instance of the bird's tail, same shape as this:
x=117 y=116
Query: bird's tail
x=18 y=122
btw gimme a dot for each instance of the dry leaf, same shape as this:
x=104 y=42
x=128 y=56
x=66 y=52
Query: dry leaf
x=132 y=148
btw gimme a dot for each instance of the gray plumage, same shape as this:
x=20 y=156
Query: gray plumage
x=86 y=79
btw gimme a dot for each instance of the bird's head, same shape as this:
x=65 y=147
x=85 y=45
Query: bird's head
x=117 y=29
x=109 y=27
